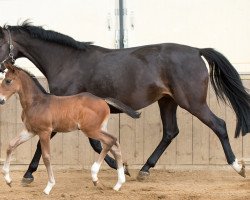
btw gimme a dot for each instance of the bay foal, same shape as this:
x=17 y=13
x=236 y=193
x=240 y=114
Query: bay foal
x=43 y=113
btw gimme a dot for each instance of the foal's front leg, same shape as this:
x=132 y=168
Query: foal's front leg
x=14 y=143
x=45 y=145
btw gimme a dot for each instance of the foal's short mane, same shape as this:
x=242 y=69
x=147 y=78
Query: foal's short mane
x=48 y=35
x=34 y=79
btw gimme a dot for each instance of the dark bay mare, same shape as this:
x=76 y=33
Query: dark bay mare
x=43 y=113
x=172 y=74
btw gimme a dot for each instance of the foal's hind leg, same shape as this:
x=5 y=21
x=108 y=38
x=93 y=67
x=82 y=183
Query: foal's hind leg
x=107 y=142
x=45 y=145
x=116 y=152
x=108 y=159
x=219 y=127
x=96 y=145
x=170 y=131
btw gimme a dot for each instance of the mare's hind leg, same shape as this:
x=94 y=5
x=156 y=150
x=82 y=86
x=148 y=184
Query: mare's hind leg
x=218 y=125
x=170 y=131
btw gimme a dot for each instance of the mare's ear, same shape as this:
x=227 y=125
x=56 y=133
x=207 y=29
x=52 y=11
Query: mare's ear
x=9 y=66
x=1 y=32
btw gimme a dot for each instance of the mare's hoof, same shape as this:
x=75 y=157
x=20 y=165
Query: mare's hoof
x=126 y=171
x=243 y=170
x=26 y=181
x=142 y=176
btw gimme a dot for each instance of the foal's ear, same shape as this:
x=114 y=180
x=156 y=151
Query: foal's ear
x=9 y=66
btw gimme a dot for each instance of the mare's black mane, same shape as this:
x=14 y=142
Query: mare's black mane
x=48 y=35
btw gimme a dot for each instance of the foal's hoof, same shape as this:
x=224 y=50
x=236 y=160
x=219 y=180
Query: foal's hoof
x=243 y=170
x=142 y=176
x=95 y=183
x=9 y=184
x=126 y=171
x=26 y=181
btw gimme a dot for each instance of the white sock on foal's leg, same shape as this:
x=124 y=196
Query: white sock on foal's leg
x=239 y=169
x=236 y=165
x=49 y=187
x=94 y=171
x=6 y=170
x=6 y=175
x=121 y=178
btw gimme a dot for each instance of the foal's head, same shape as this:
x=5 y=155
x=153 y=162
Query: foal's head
x=10 y=84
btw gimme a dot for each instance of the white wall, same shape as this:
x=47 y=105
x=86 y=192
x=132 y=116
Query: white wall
x=221 y=24
x=84 y=20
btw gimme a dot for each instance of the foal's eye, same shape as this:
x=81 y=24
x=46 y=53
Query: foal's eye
x=8 y=81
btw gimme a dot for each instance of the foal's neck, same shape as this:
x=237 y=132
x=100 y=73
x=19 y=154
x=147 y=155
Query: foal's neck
x=29 y=92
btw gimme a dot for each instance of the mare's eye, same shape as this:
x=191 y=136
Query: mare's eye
x=8 y=81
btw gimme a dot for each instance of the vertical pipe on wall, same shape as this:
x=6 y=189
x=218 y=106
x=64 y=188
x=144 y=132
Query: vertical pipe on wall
x=121 y=24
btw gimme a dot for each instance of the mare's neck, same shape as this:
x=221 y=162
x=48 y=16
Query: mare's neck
x=46 y=56
x=29 y=93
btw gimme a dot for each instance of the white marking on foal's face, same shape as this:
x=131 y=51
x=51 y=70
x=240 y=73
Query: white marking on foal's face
x=2 y=97
x=2 y=76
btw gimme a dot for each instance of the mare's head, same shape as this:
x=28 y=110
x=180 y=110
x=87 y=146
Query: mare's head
x=6 y=48
x=10 y=84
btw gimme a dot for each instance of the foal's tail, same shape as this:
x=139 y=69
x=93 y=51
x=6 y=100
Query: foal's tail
x=229 y=88
x=122 y=107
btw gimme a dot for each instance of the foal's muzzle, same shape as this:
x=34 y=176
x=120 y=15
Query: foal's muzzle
x=2 y=101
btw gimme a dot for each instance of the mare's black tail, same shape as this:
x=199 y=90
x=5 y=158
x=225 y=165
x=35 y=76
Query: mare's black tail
x=229 y=88
x=122 y=107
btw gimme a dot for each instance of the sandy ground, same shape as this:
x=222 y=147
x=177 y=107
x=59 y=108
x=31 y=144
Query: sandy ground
x=162 y=184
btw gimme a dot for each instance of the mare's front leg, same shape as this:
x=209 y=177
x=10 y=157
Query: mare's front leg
x=45 y=145
x=28 y=177
x=14 y=143
x=170 y=130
